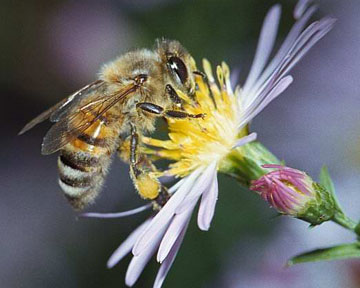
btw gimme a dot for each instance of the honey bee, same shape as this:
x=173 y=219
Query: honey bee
x=117 y=109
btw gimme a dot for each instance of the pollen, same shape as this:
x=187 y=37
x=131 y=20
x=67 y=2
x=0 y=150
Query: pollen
x=147 y=186
x=196 y=142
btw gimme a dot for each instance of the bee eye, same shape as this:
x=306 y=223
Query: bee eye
x=178 y=67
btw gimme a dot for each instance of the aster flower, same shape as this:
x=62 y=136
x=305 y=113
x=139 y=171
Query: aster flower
x=199 y=148
x=202 y=147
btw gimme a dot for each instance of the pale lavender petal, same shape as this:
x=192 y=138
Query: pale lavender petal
x=320 y=29
x=176 y=186
x=139 y=262
x=174 y=231
x=258 y=98
x=311 y=35
x=276 y=91
x=165 y=215
x=118 y=214
x=127 y=245
x=265 y=45
x=201 y=184
x=300 y=8
x=284 y=50
x=166 y=265
x=207 y=206
x=244 y=140
x=287 y=57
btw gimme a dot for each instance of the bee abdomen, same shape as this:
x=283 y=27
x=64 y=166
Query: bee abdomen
x=81 y=176
x=93 y=141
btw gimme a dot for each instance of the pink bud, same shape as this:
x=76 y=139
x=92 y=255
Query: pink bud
x=287 y=190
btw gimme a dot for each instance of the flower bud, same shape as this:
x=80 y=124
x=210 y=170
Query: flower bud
x=293 y=192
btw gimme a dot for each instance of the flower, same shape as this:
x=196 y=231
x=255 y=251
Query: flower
x=200 y=147
x=293 y=192
x=196 y=145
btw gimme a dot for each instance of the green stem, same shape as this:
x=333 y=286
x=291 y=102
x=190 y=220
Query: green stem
x=344 y=221
x=245 y=162
x=357 y=230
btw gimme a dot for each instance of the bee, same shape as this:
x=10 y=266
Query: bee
x=114 y=112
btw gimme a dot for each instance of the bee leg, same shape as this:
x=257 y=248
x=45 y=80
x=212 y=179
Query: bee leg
x=202 y=74
x=148 y=186
x=174 y=97
x=161 y=112
x=143 y=164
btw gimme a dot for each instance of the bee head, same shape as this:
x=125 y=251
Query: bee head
x=178 y=63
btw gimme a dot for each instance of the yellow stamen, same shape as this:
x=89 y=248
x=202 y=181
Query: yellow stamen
x=195 y=143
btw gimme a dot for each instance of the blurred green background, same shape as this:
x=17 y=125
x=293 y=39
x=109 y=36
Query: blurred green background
x=51 y=48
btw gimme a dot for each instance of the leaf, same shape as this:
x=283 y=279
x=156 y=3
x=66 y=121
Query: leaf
x=325 y=180
x=344 y=251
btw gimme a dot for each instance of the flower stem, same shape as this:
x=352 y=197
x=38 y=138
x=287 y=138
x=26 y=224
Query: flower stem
x=245 y=163
x=344 y=221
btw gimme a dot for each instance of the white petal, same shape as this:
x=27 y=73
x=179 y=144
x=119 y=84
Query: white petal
x=127 y=245
x=290 y=53
x=139 y=262
x=118 y=214
x=207 y=206
x=165 y=215
x=166 y=265
x=202 y=183
x=311 y=35
x=244 y=140
x=173 y=232
x=276 y=91
x=309 y=38
x=265 y=45
x=283 y=51
x=176 y=186
x=300 y=8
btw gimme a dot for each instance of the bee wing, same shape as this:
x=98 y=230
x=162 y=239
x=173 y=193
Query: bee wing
x=75 y=99
x=59 y=110
x=81 y=117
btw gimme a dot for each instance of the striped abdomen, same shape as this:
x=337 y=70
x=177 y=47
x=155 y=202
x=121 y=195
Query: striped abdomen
x=83 y=163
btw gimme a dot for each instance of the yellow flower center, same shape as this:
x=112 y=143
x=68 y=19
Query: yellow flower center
x=196 y=142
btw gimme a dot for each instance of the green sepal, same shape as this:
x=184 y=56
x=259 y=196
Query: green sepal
x=320 y=209
x=344 y=251
x=325 y=180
